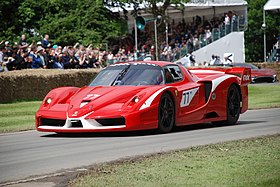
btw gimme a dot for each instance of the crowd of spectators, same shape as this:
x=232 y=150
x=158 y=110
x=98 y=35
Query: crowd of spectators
x=43 y=54
x=183 y=38
x=186 y=37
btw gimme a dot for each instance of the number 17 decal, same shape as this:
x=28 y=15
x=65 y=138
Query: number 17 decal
x=187 y=97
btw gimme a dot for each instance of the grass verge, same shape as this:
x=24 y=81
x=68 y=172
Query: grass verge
x=264 y=96
x=252 y=162
x=18 y=116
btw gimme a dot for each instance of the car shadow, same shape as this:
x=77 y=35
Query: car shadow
x=143 y=132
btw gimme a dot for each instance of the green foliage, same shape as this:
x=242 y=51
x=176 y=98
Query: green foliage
x=88 y=21
x=254 y=35
x=67 y=22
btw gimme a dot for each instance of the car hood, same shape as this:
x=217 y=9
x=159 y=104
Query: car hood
x=262 y=72
x=95 y=98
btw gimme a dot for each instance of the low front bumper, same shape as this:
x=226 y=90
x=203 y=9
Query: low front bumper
x=140 y=120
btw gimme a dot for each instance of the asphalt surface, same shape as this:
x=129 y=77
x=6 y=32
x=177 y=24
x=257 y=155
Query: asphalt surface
x=28 y=154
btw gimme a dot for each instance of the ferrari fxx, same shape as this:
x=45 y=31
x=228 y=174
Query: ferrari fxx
x=147 y=95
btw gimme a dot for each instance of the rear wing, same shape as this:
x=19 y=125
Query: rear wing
x=243 y=73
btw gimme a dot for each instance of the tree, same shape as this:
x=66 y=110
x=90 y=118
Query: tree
x=66 y=22
x=254 y=34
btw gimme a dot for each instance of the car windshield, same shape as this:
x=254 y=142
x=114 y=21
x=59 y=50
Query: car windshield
x=246 y=65
x=129 y=74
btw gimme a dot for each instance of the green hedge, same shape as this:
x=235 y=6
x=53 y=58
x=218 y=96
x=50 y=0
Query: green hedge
x=33 y=84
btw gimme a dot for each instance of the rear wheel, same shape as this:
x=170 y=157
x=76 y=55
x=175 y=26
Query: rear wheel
x=166 y=113
x=233 y=107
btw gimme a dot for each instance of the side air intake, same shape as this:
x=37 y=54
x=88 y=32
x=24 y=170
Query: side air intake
x=207 y=88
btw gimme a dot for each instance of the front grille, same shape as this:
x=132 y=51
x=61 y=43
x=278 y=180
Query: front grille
x=111 y=121
x=52 y=122
x=263 y=79
x=76 y=124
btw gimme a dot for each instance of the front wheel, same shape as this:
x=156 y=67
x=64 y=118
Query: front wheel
x=166 y=113
x=233 y=107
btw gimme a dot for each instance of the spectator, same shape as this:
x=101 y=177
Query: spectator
x=8 y=50
x=22 y=42
x=19 y=59
x=37 y=60
x=45 y=41
x=188 y=60
x=195 y=42
x=234 y=21
x=2 y=52
x=227 y=24
x=74 y=61
x=29 y=61
x=208 y=36
x=215 y=61
x=65 y=59
x=110 y=58
x=277 y=48
x=58 y=64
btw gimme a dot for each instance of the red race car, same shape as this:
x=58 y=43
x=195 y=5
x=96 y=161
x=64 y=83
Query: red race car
x=147 y=95
x=259 y=75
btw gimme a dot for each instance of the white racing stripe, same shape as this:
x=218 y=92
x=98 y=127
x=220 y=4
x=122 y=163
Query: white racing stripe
x=218 y=81
x=152 y=97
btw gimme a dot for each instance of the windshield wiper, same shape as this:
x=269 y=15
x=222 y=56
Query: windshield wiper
x=120 y=76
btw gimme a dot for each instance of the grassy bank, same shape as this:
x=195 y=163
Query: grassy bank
x=264 y=96
x=20 y=116
x=254 y=162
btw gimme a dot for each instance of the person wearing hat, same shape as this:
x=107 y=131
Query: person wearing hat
x=39 y=44
x=38 y=61
x=9 y=50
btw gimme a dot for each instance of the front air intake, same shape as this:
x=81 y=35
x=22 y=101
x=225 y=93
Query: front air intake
x=52 y=122
x=111 y=121
x=76 y=124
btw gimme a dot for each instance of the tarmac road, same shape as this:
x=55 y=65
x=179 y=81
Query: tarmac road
x=27 y=154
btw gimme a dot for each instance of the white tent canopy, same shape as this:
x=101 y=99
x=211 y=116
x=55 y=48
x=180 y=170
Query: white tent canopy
x=272 y=5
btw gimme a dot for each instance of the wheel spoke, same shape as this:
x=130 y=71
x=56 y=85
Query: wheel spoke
x=162 y=119
x=165 y=102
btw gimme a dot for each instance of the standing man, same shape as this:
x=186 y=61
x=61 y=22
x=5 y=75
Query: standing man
x=45 y=41
x=188 y=60
x=22 y=42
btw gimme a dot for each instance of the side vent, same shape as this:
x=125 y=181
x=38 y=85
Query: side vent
x=207 y=88
x=211 y=115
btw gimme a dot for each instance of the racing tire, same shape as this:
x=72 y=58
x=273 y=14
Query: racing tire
x=233 y=107
x=166 y=114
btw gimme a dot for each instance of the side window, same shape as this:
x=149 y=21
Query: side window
x=172 y=74
x=168 y=76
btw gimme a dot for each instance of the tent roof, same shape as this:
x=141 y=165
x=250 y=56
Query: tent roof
x=272 y=5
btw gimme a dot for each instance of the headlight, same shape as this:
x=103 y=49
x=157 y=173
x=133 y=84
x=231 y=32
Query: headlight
x=48 y=100
x=136 y=99
x=133 y=101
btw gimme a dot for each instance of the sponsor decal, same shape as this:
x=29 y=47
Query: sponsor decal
x=246 y=78
x=187 y=97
